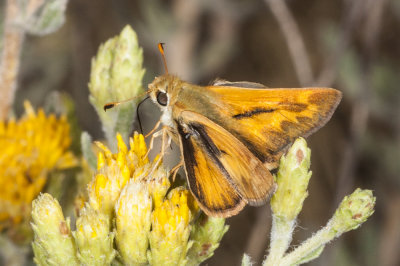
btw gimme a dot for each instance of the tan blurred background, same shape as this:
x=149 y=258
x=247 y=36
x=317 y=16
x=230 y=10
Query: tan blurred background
x=350 y=45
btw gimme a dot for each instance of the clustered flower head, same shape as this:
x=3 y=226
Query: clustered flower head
x=32 y=147
x=132 y=216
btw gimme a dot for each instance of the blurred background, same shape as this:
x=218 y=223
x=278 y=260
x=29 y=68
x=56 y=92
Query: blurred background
x=350 y=45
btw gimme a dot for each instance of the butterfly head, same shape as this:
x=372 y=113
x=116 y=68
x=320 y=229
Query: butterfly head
x=163 y=90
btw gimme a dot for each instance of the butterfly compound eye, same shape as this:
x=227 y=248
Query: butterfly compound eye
x=162 y=98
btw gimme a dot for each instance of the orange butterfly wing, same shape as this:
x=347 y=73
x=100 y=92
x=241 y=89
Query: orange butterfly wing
x=267 y=120
x=222 y=173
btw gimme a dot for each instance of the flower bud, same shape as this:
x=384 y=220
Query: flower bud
x=133 y=222
x=93 y=238
x=354 y=210
x=206 y=234
x=292 y=180
x=117 y=75
x=52 y=234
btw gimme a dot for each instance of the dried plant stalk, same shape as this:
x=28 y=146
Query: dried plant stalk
x=12 y=44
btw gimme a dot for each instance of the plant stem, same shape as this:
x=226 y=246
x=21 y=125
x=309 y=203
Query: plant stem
x=281 y=236
x=12 y=43
x=309 y=246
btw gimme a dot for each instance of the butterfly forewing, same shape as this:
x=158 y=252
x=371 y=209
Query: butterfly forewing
x=268 y=120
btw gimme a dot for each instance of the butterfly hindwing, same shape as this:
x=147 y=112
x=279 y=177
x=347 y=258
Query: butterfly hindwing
x=215 y=195
x=222 y=173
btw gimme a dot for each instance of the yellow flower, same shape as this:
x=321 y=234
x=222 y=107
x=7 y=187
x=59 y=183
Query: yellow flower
x=173 y=212
x=31 y=147
x=131 y=203
x=114 y=171
x=169 y=237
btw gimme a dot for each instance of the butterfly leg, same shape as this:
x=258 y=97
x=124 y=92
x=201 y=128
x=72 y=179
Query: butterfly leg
x=174 y=171
x=154 y=129
x=166 y=141
x=153 y=137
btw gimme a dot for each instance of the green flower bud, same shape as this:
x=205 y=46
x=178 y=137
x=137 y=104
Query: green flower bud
x=133 y=222
x=292 y=180
x=93 y=238
x=117 y=75
x=354 y=210
x=206 y=234
x=53 y=243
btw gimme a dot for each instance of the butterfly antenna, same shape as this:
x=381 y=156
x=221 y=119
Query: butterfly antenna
x=113 y=104
x=138 y=116
x=161 y=48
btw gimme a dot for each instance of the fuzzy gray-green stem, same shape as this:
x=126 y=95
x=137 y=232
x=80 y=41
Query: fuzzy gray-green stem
x=37 y=17
x=281 y=236
x=306 y=251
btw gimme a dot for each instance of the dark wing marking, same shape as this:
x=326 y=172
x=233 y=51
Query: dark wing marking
x=236 y=164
